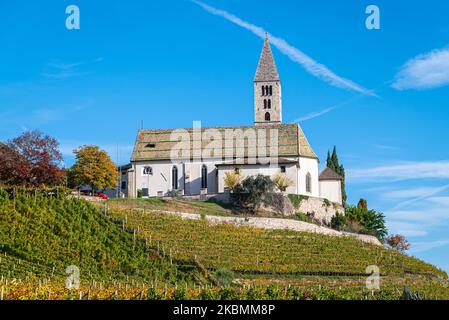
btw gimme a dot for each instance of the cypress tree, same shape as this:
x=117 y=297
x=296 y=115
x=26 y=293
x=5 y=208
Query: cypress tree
x=328 y=160
x=333 y=163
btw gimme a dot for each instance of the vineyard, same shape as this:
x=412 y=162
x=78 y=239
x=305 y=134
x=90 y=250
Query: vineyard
x=138 y=254
x=259 y=251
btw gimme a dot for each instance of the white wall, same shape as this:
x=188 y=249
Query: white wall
x=331 y=190
x=161 y=179
x=308 y=165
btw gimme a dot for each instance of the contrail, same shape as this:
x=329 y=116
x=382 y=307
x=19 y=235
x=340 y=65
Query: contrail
x=313 y=67
x=320 y=113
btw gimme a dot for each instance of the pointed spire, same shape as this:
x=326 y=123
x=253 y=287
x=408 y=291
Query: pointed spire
x=266 y=70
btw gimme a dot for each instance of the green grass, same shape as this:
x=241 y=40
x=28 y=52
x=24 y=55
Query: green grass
x=209 y=208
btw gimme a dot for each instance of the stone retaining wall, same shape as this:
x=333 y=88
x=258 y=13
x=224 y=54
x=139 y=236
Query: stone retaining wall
x=319 y=210
x=276 y=223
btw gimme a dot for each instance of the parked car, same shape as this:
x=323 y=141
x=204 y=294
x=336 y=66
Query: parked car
x=102 y=195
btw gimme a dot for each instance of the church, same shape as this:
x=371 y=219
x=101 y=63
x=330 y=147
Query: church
x=190 y=163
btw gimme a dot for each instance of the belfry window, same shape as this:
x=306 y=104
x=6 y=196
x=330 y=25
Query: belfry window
x=271 y=90
x=263 y=91
x=174 y=181
x=265 y=104
x=267 y=116
x=269 y=103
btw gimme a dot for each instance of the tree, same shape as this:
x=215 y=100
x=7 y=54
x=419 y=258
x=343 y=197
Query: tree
x=259 y=189
x=371 y=220
x=363 y=204
x=398 y=242
x=232 y=180
x=93 y=167
x=13 y=167
x=282 y=182
x=333 y=163
x=32 y=159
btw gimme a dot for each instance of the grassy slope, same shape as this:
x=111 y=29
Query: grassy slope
x=42 y=236
x=278 y=256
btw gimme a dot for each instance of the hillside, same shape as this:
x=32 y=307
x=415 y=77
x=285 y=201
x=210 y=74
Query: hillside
x=130 y=254
x=273 y=256
x=41 y=235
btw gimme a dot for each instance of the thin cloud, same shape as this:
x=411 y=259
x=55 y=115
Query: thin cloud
x=402 y=171
x=418 y=247
x=407 y=193
x=406 y=229
x=425 y=71
x=310 y=65
x=62 y=70
x=314 y=115
x=355 y=98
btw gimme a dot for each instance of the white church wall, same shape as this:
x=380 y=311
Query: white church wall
x=189 y=177
x=308 y=165
x=331 y=190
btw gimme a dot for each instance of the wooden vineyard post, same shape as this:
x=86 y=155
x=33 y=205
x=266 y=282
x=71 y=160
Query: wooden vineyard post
x=2 y=292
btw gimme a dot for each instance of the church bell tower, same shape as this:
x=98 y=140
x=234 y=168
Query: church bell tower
x=267 y=89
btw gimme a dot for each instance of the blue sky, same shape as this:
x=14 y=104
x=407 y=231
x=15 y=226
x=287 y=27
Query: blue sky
x=168 y=63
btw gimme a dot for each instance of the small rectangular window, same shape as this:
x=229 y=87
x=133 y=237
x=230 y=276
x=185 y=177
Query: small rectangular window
x=151 y=145
x=123 y=185
x=283 y=169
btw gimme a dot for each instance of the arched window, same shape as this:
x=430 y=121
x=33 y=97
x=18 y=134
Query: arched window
x=271 y=90
x=269 y=103
x=267 y=116
x=204 y=177
x=308 y=183
x=265 y=105
x=174 y=178
x=263 y=91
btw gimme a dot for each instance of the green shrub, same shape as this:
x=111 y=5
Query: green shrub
x=253 y=192
x=302 y=217
x=371 y=221
x=338 y=221
x=326 y=203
